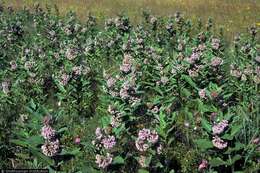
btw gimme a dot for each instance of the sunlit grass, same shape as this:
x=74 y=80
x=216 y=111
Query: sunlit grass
x=234 y=15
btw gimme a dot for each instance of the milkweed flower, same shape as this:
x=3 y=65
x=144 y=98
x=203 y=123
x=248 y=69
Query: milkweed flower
x=219 y=143
x=203 y=165
x=215 y=43
x=5 y=87
x=216 y=62
x=220 y=127
x=141 y=145
x=51 y=148
x=47 y=132
x=77 y=140
x=144 y=134
x=153 y=137
x=142 y=161
x=108 y=142
x=103 y=161
x=13 y=65
x=111 y=82
x=98 y=133
x=202 y=93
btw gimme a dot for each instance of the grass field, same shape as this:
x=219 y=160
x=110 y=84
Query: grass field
x=234 y=15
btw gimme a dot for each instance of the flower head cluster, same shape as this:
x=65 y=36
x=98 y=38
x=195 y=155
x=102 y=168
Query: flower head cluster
x=47 y=132
x=127 y=63
x=219 y=143
x=5 y=87
x=202 y=93
x=103 y=141
x=203 y=165
x=51 y=147
x=220 y=127
x=104 y=161
x=216 y=61
x=215 y=43
x=145 y=139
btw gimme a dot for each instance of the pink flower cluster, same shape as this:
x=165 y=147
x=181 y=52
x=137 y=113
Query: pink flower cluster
x=103 y=161
x=202 y=93
x=47 y=132
x=51 y=147
x=203 y=165
x=145 y=139
x=216 y=61
x=220 y=127
x=103 y=141
x=127 y=64
x=219 y=143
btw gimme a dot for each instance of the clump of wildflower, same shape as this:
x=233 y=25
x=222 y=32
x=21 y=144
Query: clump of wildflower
x=104 y=161
x=164 y=80
x=47 y=132
x=127 y=64
x=203 y=165
x=71 y=54
x=77 y=70
x=220 y=127
x=51 y=148
x=108 y=142
x=77 y=140
x=142 y=161
x=215 y=43
x=5 y=87
x=219 y=143
x=202 y=93
x=111 y=82
x=145 y=139
x=65 y=79
x=13 y=65
x=215 y=62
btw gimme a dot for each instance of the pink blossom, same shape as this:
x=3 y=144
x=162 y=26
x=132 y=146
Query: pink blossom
x=109 y=142
x=144 y=134
x=98 y=133
x=202 y=93
x=51 y=148
x=103 y=161
x=142 y=161
x=77 y=140
x=47 y=132
x=203 y=165
x=216 y=61
x=153 y=137
x=13 y=65
x=111 y=82
x=220 y=127
x=219 y=143
x=141 y=145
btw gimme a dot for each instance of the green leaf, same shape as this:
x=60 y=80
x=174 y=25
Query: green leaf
x=235 y=129
x=205 y=124
x=40 y=156
x=190 y=81
x=143 y=171
x=238 y=146
x=215 y=162
x=118 y=160
x=19 y=142
x=204 y=144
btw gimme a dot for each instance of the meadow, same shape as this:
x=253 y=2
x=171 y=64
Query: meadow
x=144 y=91
x=232 y=15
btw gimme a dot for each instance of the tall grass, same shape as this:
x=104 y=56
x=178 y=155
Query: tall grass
x=233 y=15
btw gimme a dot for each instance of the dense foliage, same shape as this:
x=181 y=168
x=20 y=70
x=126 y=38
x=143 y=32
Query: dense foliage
x=164 y=96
